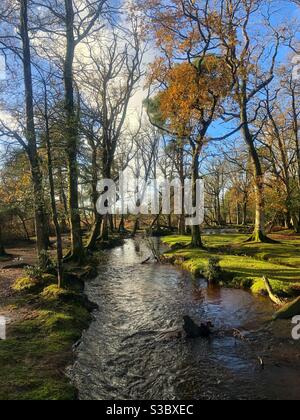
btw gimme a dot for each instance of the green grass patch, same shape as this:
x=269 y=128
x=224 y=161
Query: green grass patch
x=243 y=264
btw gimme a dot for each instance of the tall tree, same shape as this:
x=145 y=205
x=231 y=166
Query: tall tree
x=29 y=144
x=109 y=84
x=184 y=33
x=80 y=19
x=189 y=103
x=250 y=77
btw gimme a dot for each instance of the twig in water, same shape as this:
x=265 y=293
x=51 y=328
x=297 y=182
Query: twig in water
x=261 y=363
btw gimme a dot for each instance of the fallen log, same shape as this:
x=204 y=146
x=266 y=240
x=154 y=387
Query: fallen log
x=16 y=266
x=274 y=298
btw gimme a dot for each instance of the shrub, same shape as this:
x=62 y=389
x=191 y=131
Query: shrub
x=213 y=272
x=35 y=272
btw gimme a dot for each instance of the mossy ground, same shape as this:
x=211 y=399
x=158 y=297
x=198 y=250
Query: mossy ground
x=244 y=264
x=38 y=348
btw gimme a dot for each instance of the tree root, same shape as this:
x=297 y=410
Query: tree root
x=274 y=298
x=260 y=237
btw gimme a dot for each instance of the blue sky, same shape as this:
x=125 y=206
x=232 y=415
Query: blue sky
x=284 y=12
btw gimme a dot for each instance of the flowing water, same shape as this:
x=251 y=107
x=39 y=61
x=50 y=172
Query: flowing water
x=131 y=352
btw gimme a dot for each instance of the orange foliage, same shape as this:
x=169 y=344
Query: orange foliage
x=193 y=91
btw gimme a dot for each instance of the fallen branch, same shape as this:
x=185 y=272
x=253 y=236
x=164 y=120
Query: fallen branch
x=16 y=266
x=151 y=245
x=274 y=298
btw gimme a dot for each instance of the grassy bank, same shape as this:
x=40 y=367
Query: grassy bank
x=47 y=321
x=244 y=264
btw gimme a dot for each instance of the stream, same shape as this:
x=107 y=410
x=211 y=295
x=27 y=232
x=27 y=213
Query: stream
x=129 y=351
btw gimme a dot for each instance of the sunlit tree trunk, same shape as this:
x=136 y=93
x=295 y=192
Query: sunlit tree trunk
x=42 y=239
x=245 y=208
x=77 y=252
x=295 y=114
x=259 y=228
x=196 y=232
x=181 y=223
x=59 y=245
x=96 y=229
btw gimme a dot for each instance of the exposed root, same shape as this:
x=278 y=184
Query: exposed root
x=260 y=237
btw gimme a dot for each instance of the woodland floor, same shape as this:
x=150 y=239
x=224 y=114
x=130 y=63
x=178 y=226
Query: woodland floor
x=42 y=325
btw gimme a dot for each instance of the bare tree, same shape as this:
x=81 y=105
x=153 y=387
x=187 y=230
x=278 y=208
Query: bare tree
x=109 y=81
x=75 y=21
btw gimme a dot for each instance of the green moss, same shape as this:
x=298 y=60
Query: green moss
x=51 y=391
x=280 y=288
x=39 y=347
x=53 y=292
x=24 y=284
x=31 y=285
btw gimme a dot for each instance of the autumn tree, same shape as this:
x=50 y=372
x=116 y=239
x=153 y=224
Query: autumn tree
x=189 y=103
x=190 y=74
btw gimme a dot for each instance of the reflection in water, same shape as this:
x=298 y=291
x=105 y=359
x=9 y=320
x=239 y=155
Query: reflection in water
x=130 y=352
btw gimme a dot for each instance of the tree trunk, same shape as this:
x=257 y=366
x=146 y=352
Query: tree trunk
x=259 y=229
x=95 y=233
x=245 y=208
x=27 y=236
x=122 y=225
x=63 y=203
x=42 y=238
x=295 y=112
x=96 y=229
x=2 y=250
x=170 y=225
x=181 y=223
x=59 y=245
x=77 y=252
x=196 y=233
x=238 y=214
x=104 y=235
x=136 y=226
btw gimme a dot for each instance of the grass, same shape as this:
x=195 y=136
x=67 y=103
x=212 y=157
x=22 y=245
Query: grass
x=244 y=264
x=39 y=345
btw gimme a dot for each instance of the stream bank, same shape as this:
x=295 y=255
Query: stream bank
x=243 y=265
x=43 y=325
